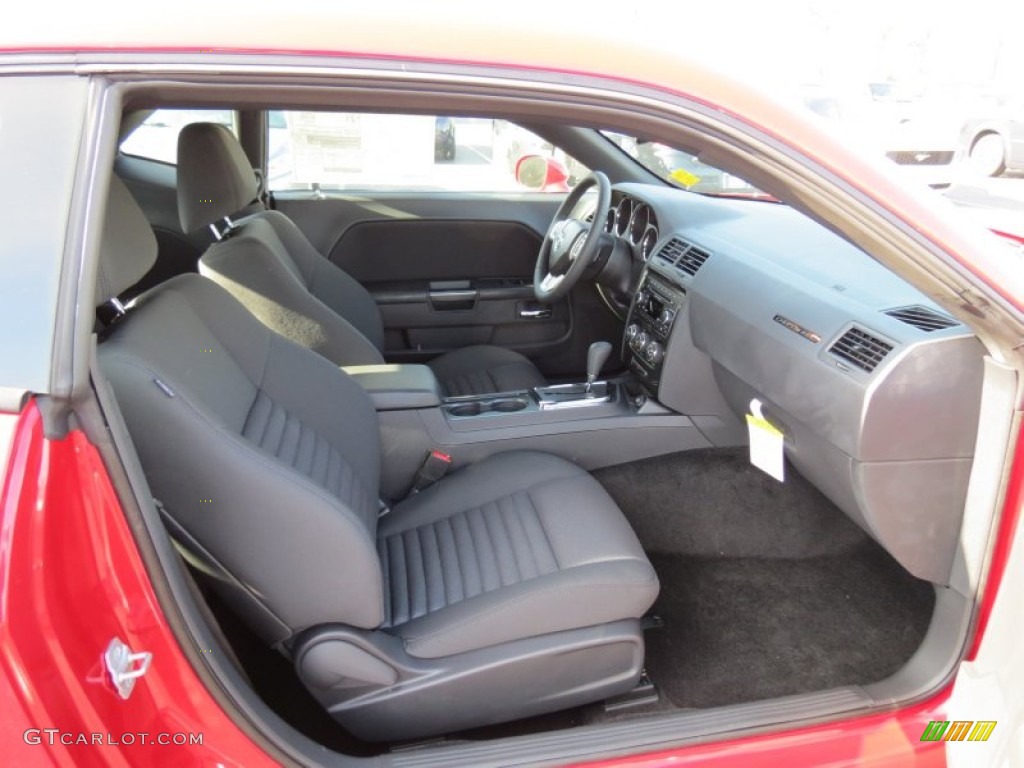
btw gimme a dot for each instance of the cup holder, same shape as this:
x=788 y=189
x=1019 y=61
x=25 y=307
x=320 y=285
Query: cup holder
x=477 y=407
x=508 y=404
x=466 y=409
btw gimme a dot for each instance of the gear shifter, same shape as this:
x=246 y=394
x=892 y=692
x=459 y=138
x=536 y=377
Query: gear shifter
x=597 y=355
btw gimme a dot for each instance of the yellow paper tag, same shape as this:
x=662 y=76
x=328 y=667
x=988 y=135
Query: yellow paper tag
x=684 y=177
x=766 y=443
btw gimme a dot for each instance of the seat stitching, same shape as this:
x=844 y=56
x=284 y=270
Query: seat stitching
x=398 y=566
x=458 y=582
x=459 y=522
x=417 y=533
x=477 y=549
x=403 y=559
x=440 y=568
x=502 y=514
x=493 y=538
x=255 y=402
x=543 y=527
x=544 y=544
x=385 y=561
x=521 y=526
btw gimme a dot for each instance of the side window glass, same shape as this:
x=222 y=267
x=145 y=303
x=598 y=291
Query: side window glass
x=351 y=150
x=157 y=137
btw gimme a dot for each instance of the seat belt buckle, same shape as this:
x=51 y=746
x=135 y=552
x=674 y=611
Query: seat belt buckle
x=434 y=467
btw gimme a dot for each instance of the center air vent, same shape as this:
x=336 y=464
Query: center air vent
x=861 y=349
x=684 y=256
x=922 y=318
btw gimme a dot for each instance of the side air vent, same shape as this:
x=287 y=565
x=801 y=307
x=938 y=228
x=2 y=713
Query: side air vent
x=682 y=255
x=922 y=318
x=861 y=349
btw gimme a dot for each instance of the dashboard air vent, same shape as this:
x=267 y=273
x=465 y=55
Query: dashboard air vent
x=861 y=349
x=682 y=255
x=922 y=318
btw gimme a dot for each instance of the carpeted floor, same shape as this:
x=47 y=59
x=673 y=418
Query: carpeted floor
x=767 y=589
x=743 y=629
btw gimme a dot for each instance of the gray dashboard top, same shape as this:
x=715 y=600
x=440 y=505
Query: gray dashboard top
x=776 y=239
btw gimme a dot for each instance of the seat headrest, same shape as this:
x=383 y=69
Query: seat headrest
x=128 y=249
x=215 y=178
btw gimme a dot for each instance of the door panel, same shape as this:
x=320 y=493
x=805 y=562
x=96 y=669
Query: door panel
x=417 y=249
x=453 y=269
x=461 y=283
x=324 y=221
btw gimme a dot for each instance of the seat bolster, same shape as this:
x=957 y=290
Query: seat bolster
x=572 y=598
x=252 y=266
x=481 y=370
x=327 y=281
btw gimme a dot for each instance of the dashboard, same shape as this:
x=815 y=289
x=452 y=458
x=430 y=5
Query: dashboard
x=875 y=387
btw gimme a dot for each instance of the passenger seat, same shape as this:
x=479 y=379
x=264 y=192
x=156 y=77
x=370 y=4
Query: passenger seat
x=510 y=588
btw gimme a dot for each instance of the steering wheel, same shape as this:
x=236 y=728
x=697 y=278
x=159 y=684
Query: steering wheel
x=570 y=245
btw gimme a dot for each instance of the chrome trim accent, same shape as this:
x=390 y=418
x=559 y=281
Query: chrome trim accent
x=584 y=400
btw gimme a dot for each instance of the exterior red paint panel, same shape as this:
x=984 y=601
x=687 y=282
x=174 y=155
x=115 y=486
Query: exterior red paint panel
x=71 y=578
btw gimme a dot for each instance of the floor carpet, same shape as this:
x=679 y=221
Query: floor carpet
x=767 y=588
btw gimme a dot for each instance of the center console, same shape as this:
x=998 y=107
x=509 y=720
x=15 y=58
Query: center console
x=652 y=315
x=593 y=423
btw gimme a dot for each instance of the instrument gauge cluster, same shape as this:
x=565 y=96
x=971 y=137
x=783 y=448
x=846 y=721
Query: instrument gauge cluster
x=635 y=222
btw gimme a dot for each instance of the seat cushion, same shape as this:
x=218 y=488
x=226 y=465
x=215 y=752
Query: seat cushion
x=482 y=370
x=518 y=545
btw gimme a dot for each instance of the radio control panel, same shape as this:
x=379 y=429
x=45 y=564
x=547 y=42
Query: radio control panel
x=652 y=315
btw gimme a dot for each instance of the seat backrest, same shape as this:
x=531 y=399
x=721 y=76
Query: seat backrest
x=265 y=261
x=264 y=453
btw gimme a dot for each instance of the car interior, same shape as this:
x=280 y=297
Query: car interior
x=454 y=470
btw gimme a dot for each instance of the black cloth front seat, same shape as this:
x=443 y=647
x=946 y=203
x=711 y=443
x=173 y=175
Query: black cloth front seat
x=511 y=587
x=272 y=268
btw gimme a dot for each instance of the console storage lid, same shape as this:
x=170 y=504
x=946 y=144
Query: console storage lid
x=397 y=387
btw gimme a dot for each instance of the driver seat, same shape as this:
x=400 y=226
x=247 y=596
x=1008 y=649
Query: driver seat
x=270 y=266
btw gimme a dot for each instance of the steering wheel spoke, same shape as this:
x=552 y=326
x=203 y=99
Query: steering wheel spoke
x=551 y=282
x=570 y=244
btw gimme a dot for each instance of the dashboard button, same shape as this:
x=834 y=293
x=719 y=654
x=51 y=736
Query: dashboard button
x=654 y=352
x=632 y=331
x=667 y=315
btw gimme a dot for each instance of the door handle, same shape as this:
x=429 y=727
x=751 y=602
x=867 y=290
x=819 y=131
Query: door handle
x=535 y=314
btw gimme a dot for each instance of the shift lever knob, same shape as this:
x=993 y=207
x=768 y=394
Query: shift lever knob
x=597 y=355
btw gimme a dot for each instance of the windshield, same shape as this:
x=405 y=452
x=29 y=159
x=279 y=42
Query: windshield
x=682 y=168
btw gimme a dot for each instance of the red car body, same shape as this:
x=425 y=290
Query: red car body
x=72 y=575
